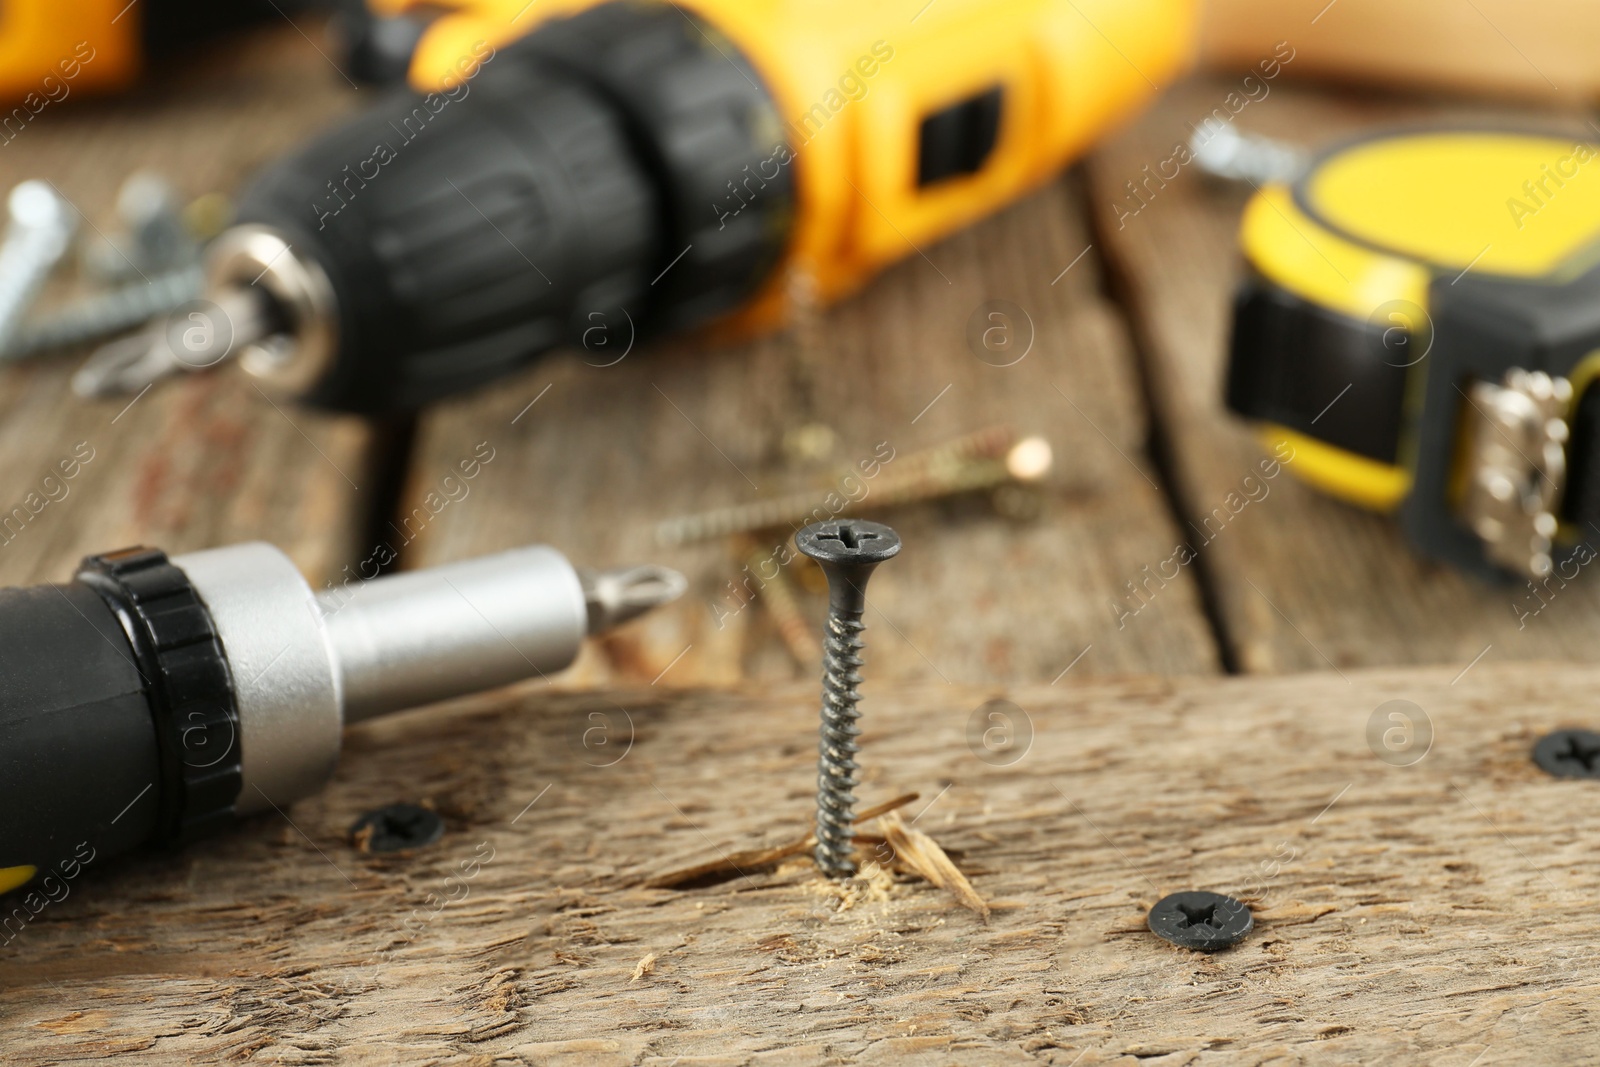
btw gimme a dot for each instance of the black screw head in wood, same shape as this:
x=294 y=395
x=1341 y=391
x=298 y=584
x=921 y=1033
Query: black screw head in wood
x=395 y=828
x=848 y=550
x=1206 y=922
x=1569 y=753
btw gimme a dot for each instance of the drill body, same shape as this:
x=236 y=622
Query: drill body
x=632 y=167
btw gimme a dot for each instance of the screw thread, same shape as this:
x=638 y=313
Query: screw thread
x=933 y=482
x=28 y=256
x=102 y=315
x=836 y=766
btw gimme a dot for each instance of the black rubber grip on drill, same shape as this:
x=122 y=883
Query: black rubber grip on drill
x=469 y=252
x=188 y=687
x=79 y=765
x=581 y=179
x=707 y=127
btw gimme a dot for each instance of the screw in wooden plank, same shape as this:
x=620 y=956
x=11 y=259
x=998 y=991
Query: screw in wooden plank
x=1207 y=922
x=1569 y=754
x=848 y=551
x=396 y=828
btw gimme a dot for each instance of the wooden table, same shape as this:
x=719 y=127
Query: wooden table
x=1436 y=913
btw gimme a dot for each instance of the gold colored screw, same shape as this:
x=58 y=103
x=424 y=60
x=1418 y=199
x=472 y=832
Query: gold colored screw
x=983 y=460
x=1028 y=461
x=778 y=596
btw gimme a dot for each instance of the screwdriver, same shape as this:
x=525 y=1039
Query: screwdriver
x=155 y=700
x=631 y=168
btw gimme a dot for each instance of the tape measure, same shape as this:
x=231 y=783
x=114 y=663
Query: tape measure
x=1421 y=322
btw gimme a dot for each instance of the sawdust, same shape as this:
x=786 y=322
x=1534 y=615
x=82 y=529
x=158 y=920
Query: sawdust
x=873 y=884
x=500 y=992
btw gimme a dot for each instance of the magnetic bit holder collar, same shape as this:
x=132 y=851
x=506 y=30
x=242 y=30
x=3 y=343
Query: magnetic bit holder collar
x=848 y=551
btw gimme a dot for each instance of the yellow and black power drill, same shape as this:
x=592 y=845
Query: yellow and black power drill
x=1421 y=321
x=570 y=172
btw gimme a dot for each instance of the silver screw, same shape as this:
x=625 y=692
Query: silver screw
x=39 y=233
x=155 y=239
x=1223 y=152
x=103 y=315
x=221 y=327
x=848 y=550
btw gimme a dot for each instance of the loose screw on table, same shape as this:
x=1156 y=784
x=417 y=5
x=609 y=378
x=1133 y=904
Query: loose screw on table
x=983 y=460
x=106 y=314
x=778 y=593
x=1207 y=922
x=38 y=234
x=1569 y=754
x=848 y=551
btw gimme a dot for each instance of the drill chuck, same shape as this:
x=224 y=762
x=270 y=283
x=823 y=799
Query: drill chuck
x=441 y=240
x=153 y=700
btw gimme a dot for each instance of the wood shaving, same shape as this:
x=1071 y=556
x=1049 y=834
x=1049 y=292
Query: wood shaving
x=757 y=858
x=923 y=855
x=643 y=968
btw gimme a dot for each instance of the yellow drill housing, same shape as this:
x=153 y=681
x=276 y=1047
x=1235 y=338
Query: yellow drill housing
x=854 y=84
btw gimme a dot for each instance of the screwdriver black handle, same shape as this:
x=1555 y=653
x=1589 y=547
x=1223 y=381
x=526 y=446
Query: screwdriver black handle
x=117 y=720
x=154 y=700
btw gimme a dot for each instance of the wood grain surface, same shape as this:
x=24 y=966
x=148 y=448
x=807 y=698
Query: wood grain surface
x=1435 y=910
x=199 y=462
x=1440 y=912
x=606 y=452
x=1300 y=581
x=1487 y=47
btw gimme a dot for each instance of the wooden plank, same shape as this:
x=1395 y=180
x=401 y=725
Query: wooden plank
x=1433 y=913
x=1301 y=581
x=1489 y=46
x=604 y=453
x=197 y=462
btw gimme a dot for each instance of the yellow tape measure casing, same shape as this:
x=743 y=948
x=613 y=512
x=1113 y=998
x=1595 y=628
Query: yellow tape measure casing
x=1356 y=245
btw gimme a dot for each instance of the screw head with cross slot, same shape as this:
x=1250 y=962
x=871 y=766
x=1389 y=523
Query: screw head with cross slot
x=1207 y=922
x=1569 y=753
x=395 y=828
x=848 y=550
